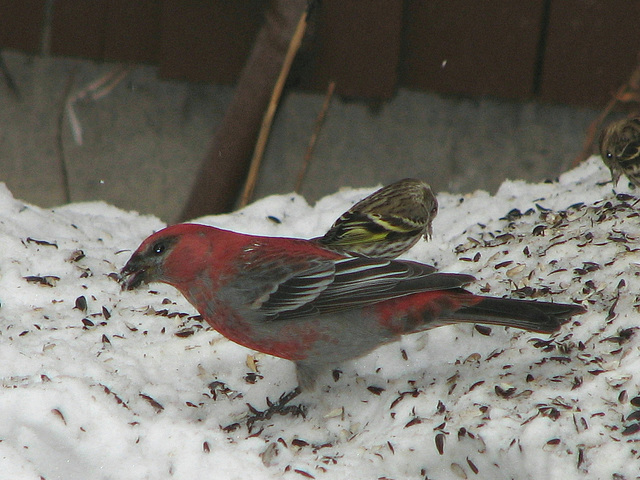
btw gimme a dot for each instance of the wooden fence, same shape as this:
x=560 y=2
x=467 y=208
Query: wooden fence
x=566 y=51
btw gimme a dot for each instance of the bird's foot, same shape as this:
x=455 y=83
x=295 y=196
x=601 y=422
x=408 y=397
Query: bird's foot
x=281 y=407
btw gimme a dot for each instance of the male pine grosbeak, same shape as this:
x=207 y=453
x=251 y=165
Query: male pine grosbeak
x=296 y=300
x=620 y=149
x=385 y=224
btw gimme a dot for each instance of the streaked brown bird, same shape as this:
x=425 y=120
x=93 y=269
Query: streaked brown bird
x=385 y=224
x=620 y=149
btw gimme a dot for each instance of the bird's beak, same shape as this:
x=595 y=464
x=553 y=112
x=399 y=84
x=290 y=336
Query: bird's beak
x=134 y=273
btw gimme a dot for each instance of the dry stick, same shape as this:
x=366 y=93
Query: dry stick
x=62 y=159
x=95 y=91
x=8 y=79
x=267 y=120
x=314 y=136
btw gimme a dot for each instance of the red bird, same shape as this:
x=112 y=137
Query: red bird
x=293 y=299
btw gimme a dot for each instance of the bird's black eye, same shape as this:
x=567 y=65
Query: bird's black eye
x=159 y=248
x=609 y=155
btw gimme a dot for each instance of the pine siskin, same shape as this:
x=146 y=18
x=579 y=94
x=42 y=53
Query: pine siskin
x=385 y=224
x=620 y=149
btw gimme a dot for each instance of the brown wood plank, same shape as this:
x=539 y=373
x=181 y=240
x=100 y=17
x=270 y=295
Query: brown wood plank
x=21 y=24
x=133 y=31
x=78 y=28
x=207 y=40
x=592 y=47
x=357 y=45
x=470 y=47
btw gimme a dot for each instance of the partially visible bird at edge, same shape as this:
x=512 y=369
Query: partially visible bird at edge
x=620 y=149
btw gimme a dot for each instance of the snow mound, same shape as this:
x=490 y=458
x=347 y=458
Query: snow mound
x=103 y=384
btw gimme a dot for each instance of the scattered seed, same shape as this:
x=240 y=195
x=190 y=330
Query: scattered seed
x=76 y=256
x=500 y=240
x=156 y=405
x=512 y=272
x=580 y=457
x=577 y=382
x=42 y=243
x=505 y=392
x=230 y=428
x=303 y=473
x=81 y=303
x=414 y=393
x=496 y=353
x=252 y=363
x=539 y=230
x=474 y=357
x=633 y=416
x=185 y=332
x=413 y=421
x=483 y=330
x=549 y=411
x=440 y=443
x=252 y=378
x=45 y=280
x=269 y=454
x=503 y=264
x=612 y=309
x=335 y=413
x=458 y=470
x=472 y=466
x=477 y=384
x=375 y=390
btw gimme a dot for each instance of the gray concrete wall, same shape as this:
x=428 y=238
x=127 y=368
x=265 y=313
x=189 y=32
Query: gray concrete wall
x=143 y=142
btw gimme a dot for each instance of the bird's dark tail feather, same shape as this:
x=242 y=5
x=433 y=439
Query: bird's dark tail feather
x=542 y=317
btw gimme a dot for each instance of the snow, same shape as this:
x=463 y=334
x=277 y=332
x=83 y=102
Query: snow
x=137 y=386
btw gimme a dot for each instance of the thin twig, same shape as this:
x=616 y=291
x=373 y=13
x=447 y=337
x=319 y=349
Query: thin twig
x=314 y=136
x=62 y=159
x=267 y=120
x=8 y=80
x=97 y=89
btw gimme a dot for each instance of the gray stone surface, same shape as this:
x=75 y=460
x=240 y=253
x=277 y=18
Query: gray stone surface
x=143 y=141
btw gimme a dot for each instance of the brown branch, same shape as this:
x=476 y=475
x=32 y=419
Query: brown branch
x=9 y=80
x=62 y=159
x=314 y=136
x=267 y=120
x=224 y=169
